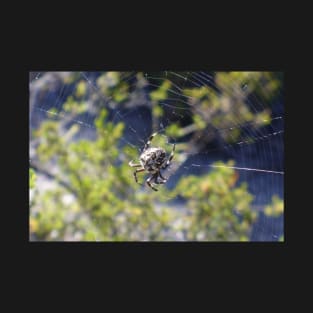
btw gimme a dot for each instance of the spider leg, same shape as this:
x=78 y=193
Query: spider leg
x=156 y=180
x=168 y=162
x=165 y=179
x=149 y=184
x=147 y=145
x=134 y=164
x=138 y=171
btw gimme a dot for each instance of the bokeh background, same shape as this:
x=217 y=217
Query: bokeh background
x=226 y=181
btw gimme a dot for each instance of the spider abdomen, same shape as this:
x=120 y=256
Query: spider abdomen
x=152 y=159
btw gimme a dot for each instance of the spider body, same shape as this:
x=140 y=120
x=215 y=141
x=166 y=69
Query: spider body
x=153 y=160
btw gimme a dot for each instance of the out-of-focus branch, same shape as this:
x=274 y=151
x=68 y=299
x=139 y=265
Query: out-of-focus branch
x=33 y=164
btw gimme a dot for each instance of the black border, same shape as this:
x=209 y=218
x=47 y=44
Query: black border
x=193 y=55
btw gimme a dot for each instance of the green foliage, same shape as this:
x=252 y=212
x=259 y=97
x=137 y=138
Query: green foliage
x=173 y=130
x=199 y=122
x=276 y=208
x=81 y=89
x=156 y=97
x=162 y=92
x=102 y=201
x=219 y=109
x=75 y=107
x=157 y=111
x=32 y=178
x=264 y=84
x=218 y=210
x=111 y=85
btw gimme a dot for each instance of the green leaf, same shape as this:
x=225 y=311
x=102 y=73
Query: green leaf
x=32 y=178
x=161 y=92
x=276 y=208
x=81 y=88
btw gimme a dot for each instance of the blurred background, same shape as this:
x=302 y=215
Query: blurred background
x=225 y=182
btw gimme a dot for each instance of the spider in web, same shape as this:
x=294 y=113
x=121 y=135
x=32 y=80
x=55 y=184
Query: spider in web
x=153 y=160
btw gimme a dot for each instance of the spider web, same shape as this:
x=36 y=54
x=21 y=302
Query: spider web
x=255 y=144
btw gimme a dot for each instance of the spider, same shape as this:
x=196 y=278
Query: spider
x=152 y=160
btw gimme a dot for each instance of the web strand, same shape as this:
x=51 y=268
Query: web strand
x=246 y=169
